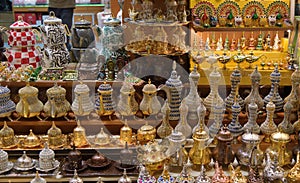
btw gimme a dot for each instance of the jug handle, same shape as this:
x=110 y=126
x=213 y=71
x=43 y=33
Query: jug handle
x=25 y=108
x=67 y=30
x=37 y=34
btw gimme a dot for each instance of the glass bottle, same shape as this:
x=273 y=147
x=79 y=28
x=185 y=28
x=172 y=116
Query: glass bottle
x=286 y=125
x=165 y=129
x=183 y=125
x=268 y=126
x=251 y=125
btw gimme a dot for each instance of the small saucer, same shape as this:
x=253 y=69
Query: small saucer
x=66 y=167
x=56 y=165
x=129 y=167
x=16 y=142
x=34 y=162
x=10 y=165
x=89 y=163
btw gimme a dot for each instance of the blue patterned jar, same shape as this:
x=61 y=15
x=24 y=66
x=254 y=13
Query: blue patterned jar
x=7 y=106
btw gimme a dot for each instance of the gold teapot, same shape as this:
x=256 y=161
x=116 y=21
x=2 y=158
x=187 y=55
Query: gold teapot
x=150 y=104
x=279 y=141
x=29 y=105
x=7 y=137
x=146 y=134
x=31 y=140
x=200 y=153
x=55 y=136
x=57 y=105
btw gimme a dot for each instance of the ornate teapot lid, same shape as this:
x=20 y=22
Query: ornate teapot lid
x=6 y=131
x=235 y=75
x=112 y=22
x=20 y=24
x=28 y=90
x=81 y=88
x=3 y=154
x=54 y=131
x=250 y=137
x=149 y=88
x=174 y=80
x=275 y=75
x=38 y=179
x=124 y=178
x=52 y=19
x=83 y=23
x=74 y=154
x=4 y=90
x=280 y=137
x=75 y=178
x=295 y=77
x=31 y=140
x=200 y=134
x=255 y=75
x=55 y=90
x=105 y=87
x=177 y=137
x=102 y=138
x=47 y=153
x=145 y=129
x=126 y=127
x=24 y=161
x=224 y=135
x=98 y=159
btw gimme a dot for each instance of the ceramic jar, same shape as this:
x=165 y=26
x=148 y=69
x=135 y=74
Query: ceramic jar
x=7 y=106
x=104 y=103
x=250 y=140
x=223 y=152
x=150 y=104
x=57 y=104
x=82 y=104
x=279 y=141
x=29 y=104
x=21 y=40
x=83 y=35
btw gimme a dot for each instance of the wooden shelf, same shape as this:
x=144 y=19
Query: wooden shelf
x=237 y=29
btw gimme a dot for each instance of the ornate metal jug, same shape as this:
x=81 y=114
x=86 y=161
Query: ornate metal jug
x=150 y=104
x=127 y=105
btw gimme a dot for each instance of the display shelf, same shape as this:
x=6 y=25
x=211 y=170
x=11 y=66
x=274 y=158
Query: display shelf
x=236 y=29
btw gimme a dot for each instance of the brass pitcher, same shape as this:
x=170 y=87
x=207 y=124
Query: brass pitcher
x=279 y=141
x=223 y=152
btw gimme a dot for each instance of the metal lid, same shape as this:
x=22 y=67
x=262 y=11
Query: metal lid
x=46 y=153
x=24 y=161
x=174 y=80
x=104 y=87
x=6 y=131
x=270 y=107
x=52 y=19
x=224 y=134
x=124 y=178
x=38 y=179
x=200 y=134
x=28 y=90
x=55 y=90
x=4 y=90
x=83 y=23
x=149 y=88
x=203 y=178
x=249 y=137
x=31 y=140
x=255 y=75
x=75 y=178
x=146 y=128
x=280 y=137
x=20 y=24
x=54 y=131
